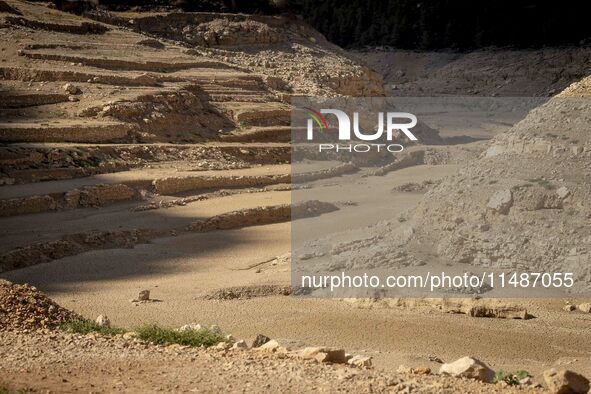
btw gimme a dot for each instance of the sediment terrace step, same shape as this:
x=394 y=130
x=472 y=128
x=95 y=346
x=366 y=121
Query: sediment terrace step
x=126 y=64
x=221 y=78
x=101 y=190
x=70 y=244
x=37 y=238
x=82 y=28
x=241 y=97
x=262 y=215
x=138 y=178
x=257 y=114
x=175 y=185
x=28 y=99
x=60 y=75
x=253 y=134
x=64 y=132
x=24 y=163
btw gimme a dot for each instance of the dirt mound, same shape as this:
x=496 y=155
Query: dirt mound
x=23 y=307
x=248 y=292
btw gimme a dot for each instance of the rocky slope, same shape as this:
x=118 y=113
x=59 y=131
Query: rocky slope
x=522 y=206
x=489 y=72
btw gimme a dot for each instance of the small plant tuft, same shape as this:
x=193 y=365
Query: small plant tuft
x=521 y=186
x=511 y=378
x=164 y=336
x=6 y=390
x=543 y=182
x=87 y=326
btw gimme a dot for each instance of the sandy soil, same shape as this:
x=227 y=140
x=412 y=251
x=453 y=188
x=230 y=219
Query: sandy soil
x=180 y=271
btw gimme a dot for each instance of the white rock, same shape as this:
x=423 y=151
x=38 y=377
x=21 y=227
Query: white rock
x=468 y=367
x=222 y=346
x=130 y=335
x=273 y=346
x=585 y=307
x=71 y=88
x=230 y=338
x=192 y=327
x=501 y=201
x=563 y=192
x=103 y=321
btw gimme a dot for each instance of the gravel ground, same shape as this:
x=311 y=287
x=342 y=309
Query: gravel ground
x=54 y=361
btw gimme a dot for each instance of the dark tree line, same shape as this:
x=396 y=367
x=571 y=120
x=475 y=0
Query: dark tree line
x=415 y=24
x=462 y=24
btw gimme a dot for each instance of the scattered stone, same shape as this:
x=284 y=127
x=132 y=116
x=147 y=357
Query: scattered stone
x=144 y=295
x=130 y=335
x=585 y=307
x=403 y=369
x=230 y=338
x=468 y=367
x=501 y=201
x=222 y=346
x=324 y=354
x=241 y=344
x=360 y=361
x=273 y=346
x=260 y=340
x=563 y=192
x=71 y=89
x=569 y=308
x=103 y=321
x=416 y=371
x=565 y=382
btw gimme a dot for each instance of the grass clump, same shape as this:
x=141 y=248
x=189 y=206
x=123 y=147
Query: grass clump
x=521 y=186
x=164 y=336
x=511 y=378
x=5 y=390
x=543 y=182
x=80 y=326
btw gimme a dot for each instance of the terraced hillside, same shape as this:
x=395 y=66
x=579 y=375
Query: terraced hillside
x=117 y=129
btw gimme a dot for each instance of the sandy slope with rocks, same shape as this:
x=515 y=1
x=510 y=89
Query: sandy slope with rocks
x=75 y=363
x=491 y=72
x=524 y=203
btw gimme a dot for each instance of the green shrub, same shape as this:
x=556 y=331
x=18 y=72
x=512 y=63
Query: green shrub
x=163 y=336
x=88 y=326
